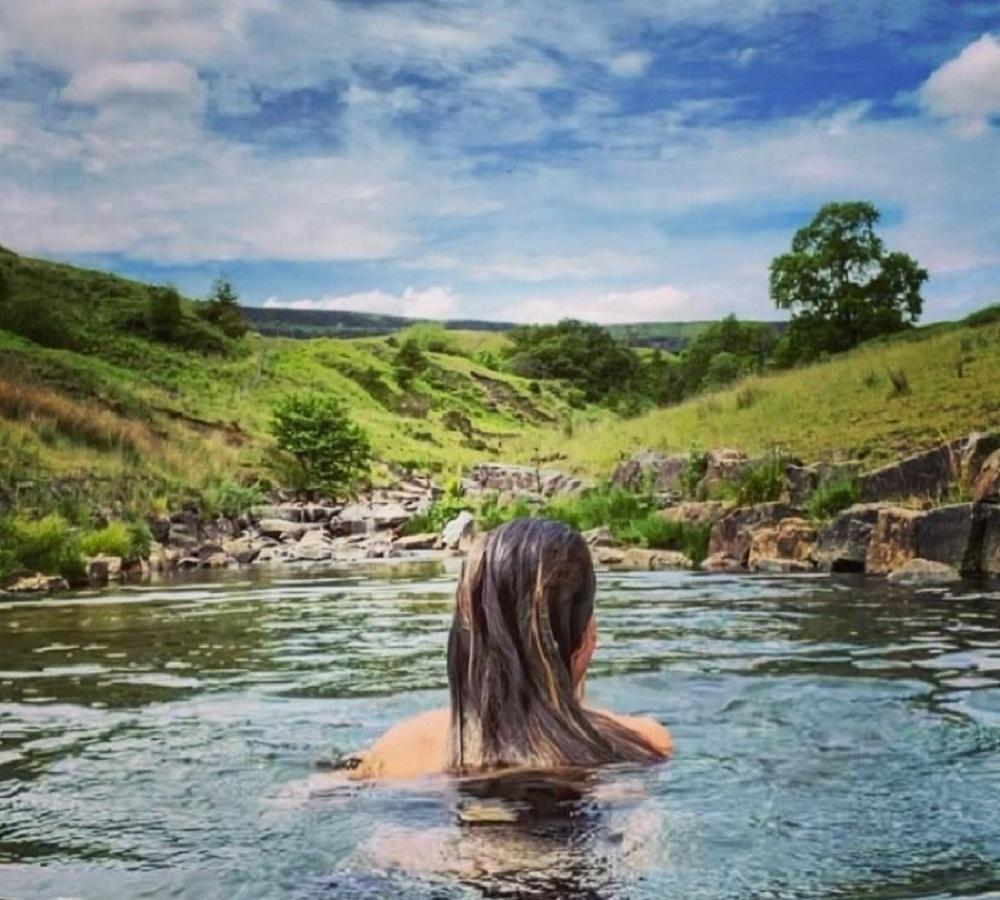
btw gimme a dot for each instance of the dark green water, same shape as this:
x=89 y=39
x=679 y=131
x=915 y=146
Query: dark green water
x=835 y=739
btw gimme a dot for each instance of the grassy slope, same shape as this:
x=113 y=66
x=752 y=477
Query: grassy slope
x=843 y=407
x=118 y=403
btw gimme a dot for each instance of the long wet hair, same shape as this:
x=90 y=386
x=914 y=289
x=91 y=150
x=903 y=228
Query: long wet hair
x=522 y=608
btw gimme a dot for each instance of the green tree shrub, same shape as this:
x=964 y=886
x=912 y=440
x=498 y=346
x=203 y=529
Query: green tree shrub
x=408 y=362
x=841 y=285
x=830 y=497
x=48 y=545
x=222 y=309
x=165 y=313
x=329 y=451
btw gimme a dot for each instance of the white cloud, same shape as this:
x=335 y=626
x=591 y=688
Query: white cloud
x=966 y=89
x=133 y=81
x=418 y=303
x=630 y=64
x=661 y=303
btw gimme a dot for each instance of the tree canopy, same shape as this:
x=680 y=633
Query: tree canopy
x=841 y=284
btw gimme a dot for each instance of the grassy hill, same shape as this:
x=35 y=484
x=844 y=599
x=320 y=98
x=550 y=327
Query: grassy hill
x=947 y=382
x=89 y=395
x=90 y=392
x=672 y=336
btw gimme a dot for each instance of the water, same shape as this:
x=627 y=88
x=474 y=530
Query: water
x=835 y=739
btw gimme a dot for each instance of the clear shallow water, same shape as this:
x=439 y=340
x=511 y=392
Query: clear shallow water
x=835 y=738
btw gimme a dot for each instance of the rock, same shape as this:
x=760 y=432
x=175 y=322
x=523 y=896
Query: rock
x=162 y=559
x=520 y=480
x=648 y=469
x=924 y=571
x=894 y=539
x=159 y=528
x=951 y=535
x=782 y=566
x=282 y=528
x=640 y=558
x=409 y=542
x=189 y=562
x=721 y=562
x=707 y=513
x=723 y=464
x=315 y=536
x=381 y=550
x=458 y=531
x=801 y=481
x=928 y=475
x=218 y=560
x=209 y=548
x=274 y=554
x=358 y=518
x=101 y=569
x=842 y=545
x=136 y=570
x=731 y=535
x=974 y=453
x=790 y=540
x=183 y=541
x=38 y=584
x=986 y=482
x=599 y=537
x=243 y=549
x=311 y=551
x=989 y=544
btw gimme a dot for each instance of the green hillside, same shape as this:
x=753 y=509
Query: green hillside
x=672 y=336
x=881 y=401
x=86 y=389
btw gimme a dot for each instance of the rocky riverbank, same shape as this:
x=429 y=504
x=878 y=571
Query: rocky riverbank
x=933 y=516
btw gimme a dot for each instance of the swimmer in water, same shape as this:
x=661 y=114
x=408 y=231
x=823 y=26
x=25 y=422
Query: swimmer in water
x=521 y=640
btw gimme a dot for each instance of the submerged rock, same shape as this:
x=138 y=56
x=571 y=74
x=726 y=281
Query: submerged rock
x=924 y=571
x=38 y=584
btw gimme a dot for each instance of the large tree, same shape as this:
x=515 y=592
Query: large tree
x=841 y=285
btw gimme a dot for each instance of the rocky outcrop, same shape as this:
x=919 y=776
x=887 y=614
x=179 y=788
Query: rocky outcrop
x=951 y=535
x=784 y=547
x=732 y=534
x=919 y=571
x=102 y=569
x=801 y=481
x=458 y=533
x=721 y=562
x=423 y=541
x=842 y=544
x=894 y=539
x=692 y=513
x=986 y=483
x=989 y=546
x=723 y=464
x=38 y=584
x=639 y=558
x=520 y=480
x=649 y=470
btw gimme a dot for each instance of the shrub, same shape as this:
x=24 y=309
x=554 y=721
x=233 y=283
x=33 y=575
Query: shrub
x=46 y=545
x=330 y=452
x=165 y=313
x=694 y=472
x=762 y=482
x=900 y=382
x=230 y=498
x=113 y=540
x=408 y=362
x=831 y=497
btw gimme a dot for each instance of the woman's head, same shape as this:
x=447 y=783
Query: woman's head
x=520 y=643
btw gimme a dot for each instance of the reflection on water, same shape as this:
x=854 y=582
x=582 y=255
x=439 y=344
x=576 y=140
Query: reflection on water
x=835 y=738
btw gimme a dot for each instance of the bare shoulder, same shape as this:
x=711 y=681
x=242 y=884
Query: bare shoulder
x=648 y=728
x=414 y=747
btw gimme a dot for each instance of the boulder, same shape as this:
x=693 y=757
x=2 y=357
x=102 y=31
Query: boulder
x=894 y=539
x=599 y=537
x=731 y=535
x=425 y=541
x=842 y=544
x=707 y=513
x=101 y=569
x=311 y=551
x=928 y=475
x=381 y=550
x=243 y=549
x=274 y=554
x=975 y=451
x=282 y=528
x=801 y=481
x=789 y=540
x=924 y=571
x=358 y=518
x=721 y=562
x=218 y=560
x=136 y=570
x=724 y=464
x=38 y=584
x=951 y=535
x=162 y=559
x=986 y=482
x=459 y=531
x=159 y=528
x=640 y=558
x=520 y=480
x=775 y=566
x=649 y=469
x=989 y=544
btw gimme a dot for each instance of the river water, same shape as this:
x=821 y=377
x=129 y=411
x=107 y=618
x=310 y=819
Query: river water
x=835 y=738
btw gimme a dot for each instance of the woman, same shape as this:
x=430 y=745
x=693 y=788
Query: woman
x=521 y=640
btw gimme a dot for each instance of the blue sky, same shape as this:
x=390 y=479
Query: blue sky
x=621 y=160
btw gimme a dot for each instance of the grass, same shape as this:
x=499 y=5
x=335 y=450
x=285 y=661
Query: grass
x=831 y=497
x=843 y=408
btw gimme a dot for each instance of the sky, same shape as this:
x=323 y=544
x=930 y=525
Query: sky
x=611 y=160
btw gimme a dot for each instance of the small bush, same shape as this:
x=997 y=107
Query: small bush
x=694 y=472
x=329 y=451
x=46 y=545
x=831 y=497
x=112 y=540
x=762 y=482
x=230 y=498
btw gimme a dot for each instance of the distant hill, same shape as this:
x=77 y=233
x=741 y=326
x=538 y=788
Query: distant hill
x=672 y=336
x=312 y=323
